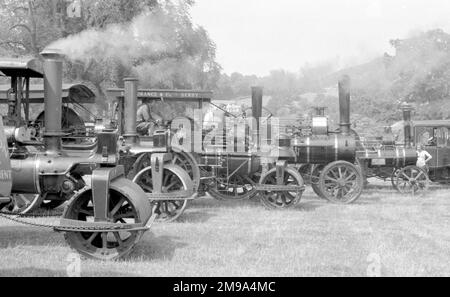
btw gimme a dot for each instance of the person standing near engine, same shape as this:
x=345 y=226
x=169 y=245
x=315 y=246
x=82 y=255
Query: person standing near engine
x=423 y=158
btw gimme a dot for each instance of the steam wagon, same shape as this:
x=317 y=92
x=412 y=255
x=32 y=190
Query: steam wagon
x=107 y=216
x=432 y=135
x=394 y=157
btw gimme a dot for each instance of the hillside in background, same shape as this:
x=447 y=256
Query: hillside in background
x=418 y=73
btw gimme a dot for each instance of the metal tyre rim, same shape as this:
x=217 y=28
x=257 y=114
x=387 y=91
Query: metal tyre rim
x=281 y=200
x=188 y=163
x=24 y=203
x=412 y=180
x=341 y=182
x=167 y=210
x=110 y=245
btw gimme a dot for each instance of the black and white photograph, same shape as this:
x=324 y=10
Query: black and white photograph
x=205 y=139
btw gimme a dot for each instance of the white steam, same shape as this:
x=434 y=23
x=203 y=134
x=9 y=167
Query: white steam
x=147 y=35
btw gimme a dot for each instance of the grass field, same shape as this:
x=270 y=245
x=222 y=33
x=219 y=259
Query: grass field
x=383 y=233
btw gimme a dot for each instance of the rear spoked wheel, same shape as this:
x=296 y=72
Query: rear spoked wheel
x=28 y=203
x=411 y=180
x=23 y=203
x=341 y=182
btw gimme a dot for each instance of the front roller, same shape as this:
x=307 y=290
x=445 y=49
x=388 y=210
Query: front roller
x=168 y=184
x=341 y=182
x=107 y=221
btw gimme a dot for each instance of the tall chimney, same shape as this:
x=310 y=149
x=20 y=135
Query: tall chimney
x=257 y=106
x=130 y=109
x=344 y=104
x=407 y=118
x=53 y=72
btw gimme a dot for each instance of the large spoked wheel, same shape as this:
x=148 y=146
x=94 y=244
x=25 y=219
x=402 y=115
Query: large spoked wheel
x=412 y=180
x=282 y=199
x=173 y=182
x=341 y=182
x=109 y=245
x=236 y=188
x=23 y=203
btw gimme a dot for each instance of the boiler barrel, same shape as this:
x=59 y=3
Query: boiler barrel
x=325 y=149
x=396 y=157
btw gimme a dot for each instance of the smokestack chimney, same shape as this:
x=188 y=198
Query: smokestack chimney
x=53 y=72
x=344 y=104
x=130 y=109
x=407 y=110
x=257 y=105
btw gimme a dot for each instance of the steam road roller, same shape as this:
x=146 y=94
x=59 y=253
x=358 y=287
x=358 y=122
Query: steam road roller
x=168 y=176
x=107 y=214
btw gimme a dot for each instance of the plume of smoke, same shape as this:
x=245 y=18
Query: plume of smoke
x=149 y=35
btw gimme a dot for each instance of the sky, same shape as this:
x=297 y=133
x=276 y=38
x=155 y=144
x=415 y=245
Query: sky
x=257 y=36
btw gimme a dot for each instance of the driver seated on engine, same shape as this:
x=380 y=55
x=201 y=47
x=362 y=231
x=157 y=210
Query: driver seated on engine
x=147 y=120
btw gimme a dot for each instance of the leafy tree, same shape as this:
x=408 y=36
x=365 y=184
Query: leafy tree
x=30 y=26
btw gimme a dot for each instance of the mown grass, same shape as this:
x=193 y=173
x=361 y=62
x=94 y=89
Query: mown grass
x=409 y=235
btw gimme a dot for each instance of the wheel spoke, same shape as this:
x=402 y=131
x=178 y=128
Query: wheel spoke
x=104 y=241
x=92 y=237
x=419 y=175
x=173 y=184
x=87 y=212
x=350 y=176
x=117 y=207
x=146 y=188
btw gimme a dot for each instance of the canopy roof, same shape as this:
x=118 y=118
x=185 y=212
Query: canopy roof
x=72 y=93
x=432 y=123
x=174 y=95
x=21 y=68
